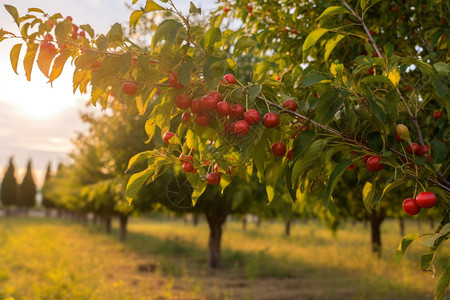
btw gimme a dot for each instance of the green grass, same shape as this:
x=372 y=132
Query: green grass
x=55 y=259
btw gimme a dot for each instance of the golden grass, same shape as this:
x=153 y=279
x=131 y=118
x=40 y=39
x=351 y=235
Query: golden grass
x=54 y=259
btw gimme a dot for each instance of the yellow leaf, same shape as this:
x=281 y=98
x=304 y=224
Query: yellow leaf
x=14 y=56
x=335 y=69
x=394 y=76
x=152 y=6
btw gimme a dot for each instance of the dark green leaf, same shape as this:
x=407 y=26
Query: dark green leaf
x=329 y=103
x=313 y=78
x=442 y=284
x=167 y=30
x=425 y=262
x=194 y=9
x=184 y=72
x=337 y=173
x=213 y=35
x=301 y=143
x=244 y=43
x=375 y=141
x=438 y=151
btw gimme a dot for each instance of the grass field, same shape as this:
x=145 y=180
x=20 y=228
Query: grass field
x=56 y=259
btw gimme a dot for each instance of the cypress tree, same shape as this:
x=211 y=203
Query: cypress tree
x=9 y=186
x=28 y=189
x=46 y=200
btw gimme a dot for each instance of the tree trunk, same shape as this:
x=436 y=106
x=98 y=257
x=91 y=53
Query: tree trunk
x=108 y=224
x=287 y=228
x=376 y=218
x=258 y=222
x=244 y=223
x=123 y=227
x=95 y=220
x=401 y=223
x=215 y=237
x=195 y=218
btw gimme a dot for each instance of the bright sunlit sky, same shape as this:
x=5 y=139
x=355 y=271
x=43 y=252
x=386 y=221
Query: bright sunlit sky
x=36 y=120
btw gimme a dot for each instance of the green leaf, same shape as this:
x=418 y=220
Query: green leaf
x=14 y=56
x=438 y=151
x=13 y=12
x=442 y=284
x=194 y=9
x=329 y=103
x=332 y=10
x=313 y=78
x=213 y=71
x=404 y=244
x=184 y=72
x=152 y=6
x=115 y=34
x=425 y=262
x=337 y=173
x=331 y=43
x=301 y=143
x=88 y=29
x=244 y=43
x=137 y=181
x=212 y=36
x=440 y=83
x=138 y=158
x=198 y=186
x=375 y=141
x=102 y=43
x=311 y=40
x=442 y=68
x=134 y=17
x=167 y=30
x=363 y=4
x=272 y=175
x=28 y=61
x=291 y=190
x=376 y=79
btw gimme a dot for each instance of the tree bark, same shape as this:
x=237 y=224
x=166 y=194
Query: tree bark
x=376 y=218
x=287 y=228
x=108 y=224
x=123 y=227
x=401 y=223
x=195 y=218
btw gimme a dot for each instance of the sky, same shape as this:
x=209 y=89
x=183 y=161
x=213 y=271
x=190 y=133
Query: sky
x=37 y=121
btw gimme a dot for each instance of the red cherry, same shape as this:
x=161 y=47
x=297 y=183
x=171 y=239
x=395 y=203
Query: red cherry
x=48 y=37
x=182 y=101
x=216 y=95
x=407 y=88
x=216 y=168
x=69 y=18
x=188 y=167
x=410 y=207
x=252 y=116
x=428 y=157
x=229 y=127
x=173 y=81
x=351 y=167
x=82 y=33
x=365 y=158
x=398 y=138
x=208 y=103
x=249 y=7
x=202 y=119
x=437 y=114
x=75 y=35
x=278 y=149
x=373 y=164
x=271 y=120
x=213 y=178
x=415 y=148
x=294 y=31
x=74 y=28
x=229 y=78
x=48 y=48
x=196 y=106
x=371 y=71
x=186 y=158
x=394 y=8
x=290 y=154
x=241 y=128
x=424 y=149
x=186 y=116
x=226 y=9
x=426 y=199
x=290 y=104
x=372 y=33
x=223 y=109
x=236 y=112
x=129 y=88
x=167 y=136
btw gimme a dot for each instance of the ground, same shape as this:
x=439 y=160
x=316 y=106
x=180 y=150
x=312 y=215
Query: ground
x=44 y=258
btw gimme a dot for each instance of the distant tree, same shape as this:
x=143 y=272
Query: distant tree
x=9 y=187
x=27 y=196
x=46 y=200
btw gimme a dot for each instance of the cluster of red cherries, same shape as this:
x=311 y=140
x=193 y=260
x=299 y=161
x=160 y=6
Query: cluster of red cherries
x=236 y=119
x=412 y=206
